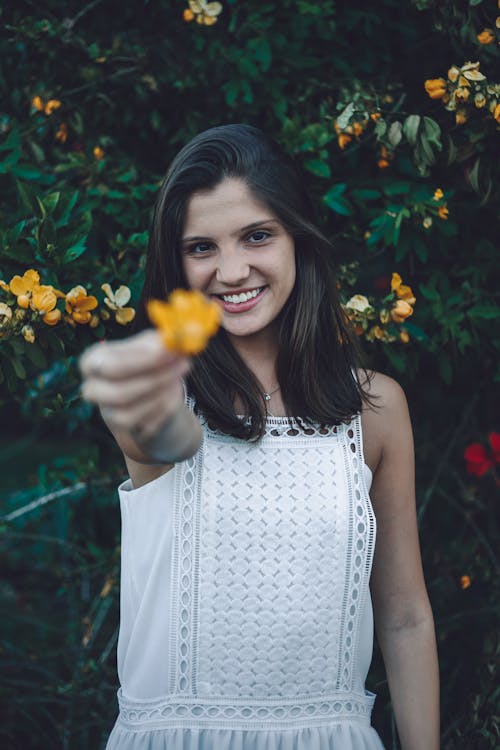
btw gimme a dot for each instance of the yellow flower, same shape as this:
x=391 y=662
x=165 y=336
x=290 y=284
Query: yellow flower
x=43 y=299
x=378 y=332
x=343 y=139
x=79 y=305
x=473 y=74
x=51 y=106
x=20 y=285
x=465 y=582
x=188 y=15
x=401 y=310
x=438 y=195
x=358 y=303
x=4 y=286
x=5 y=315
x=453 y=73
x=28 y=333
x=52 y=317
x=116 y=301
x=357 y=128
x=436 y=87
x=98 y=153
x=404 y=336
x=37 y=103
x=186 y=321
x=402 y=291
x=375 y=116
x=205 y=12
x=462 y=94
x=461 y=117
x=487 y=36
x=479 y=100
x=496 y=113
x=443 y=212
x=62 y=133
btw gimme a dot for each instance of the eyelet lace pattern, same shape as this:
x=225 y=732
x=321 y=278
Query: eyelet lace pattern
x=269 y=582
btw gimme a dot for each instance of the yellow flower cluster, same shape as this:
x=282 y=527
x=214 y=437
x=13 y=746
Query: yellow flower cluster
x=186 y=321
x=398 y=306
x=205 y=13
x=353 y=130
x=29 y=303
x=464 y=90
x=47 y=107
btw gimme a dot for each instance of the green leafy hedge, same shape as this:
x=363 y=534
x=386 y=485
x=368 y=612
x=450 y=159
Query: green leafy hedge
x=393 y=112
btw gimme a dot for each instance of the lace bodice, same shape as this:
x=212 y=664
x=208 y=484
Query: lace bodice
x=268 y=568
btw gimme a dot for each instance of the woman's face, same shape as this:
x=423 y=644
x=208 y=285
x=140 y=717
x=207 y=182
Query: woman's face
x=235 y=250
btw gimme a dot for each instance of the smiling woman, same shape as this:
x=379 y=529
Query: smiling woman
x=261 y=472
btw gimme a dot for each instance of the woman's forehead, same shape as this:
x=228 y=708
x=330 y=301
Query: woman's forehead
x=230 y=204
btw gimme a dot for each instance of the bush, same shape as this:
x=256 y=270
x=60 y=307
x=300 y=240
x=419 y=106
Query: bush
x=393 y=113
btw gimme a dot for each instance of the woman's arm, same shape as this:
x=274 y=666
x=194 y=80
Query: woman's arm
x=403 y=617
x=137 y=385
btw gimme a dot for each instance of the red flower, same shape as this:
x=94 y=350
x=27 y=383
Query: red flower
x=479 y=459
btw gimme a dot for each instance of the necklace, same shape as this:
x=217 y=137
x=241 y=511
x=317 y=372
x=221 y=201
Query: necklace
x=267 y=396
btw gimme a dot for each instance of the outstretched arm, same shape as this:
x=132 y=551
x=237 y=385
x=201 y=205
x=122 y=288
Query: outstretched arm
x=403 y=617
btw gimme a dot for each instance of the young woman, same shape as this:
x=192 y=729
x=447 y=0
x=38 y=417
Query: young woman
x=249 y=563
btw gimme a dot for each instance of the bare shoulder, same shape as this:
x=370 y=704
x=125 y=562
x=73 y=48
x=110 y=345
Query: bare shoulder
x=384 y=417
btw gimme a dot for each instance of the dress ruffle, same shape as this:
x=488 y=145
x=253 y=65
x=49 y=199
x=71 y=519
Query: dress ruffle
x=341 y=736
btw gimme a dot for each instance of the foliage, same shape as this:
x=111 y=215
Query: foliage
x=392 y=112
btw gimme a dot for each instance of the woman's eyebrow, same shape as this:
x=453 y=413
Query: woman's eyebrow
x=242 y=230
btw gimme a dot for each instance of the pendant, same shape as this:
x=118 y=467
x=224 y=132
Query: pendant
x=267 y=396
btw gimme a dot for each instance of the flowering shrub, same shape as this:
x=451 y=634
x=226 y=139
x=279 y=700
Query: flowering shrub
x=397 y=134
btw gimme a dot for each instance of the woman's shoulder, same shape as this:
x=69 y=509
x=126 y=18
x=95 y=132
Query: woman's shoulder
x=382 y=414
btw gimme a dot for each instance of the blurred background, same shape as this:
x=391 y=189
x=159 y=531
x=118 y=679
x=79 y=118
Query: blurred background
x=393 y=111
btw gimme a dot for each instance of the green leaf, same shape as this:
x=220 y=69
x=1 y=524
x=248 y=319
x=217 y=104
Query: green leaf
x=317 y=167
x=410 y=128
x=488 y=312
x=74 y=252
x=50 y=201
x=365 y=194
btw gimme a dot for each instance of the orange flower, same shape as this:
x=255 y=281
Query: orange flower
x=465 y=582
x=375 y=116
x=401 y=310
x=404 y=336
x=24 y=284
x=436 y=87
x=98 y=153
x=343 y=139
x=188 y=15
x=37 y=103
x=51 y=106
x=438 y=195
x=402 y=291
x=357 y=128
x=443 y=212
x=52 y=317
x=62 y=133
x=79 y=305
x=496 y=113
x=487 y=36
x=186 y=321
x=43 y=299
x=461 y=117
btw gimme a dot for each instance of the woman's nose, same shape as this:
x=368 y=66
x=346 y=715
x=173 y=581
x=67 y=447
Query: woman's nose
x=232 y=267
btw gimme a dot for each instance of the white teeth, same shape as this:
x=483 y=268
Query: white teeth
x=243 y=297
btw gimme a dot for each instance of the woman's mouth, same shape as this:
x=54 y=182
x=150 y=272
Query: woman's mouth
x=238 y=303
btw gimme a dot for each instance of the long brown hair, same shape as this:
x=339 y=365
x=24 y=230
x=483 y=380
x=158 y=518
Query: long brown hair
x=318 y=353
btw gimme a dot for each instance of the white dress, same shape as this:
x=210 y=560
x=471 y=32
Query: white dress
x=246 y=617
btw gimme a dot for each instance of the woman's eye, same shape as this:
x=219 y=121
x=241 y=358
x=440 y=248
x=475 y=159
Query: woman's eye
x=201 y=248
x=259 y=236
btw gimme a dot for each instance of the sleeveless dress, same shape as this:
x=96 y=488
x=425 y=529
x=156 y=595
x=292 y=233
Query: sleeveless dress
x=246 y=617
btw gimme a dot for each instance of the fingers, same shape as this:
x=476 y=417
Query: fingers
x=113 y=393
x=135 y=355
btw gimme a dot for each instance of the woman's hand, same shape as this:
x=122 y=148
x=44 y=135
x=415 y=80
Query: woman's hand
x=137 y=384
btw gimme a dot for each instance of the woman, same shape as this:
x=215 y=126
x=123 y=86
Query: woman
x=248 y=550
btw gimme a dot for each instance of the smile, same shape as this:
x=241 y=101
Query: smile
x=235 y=303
